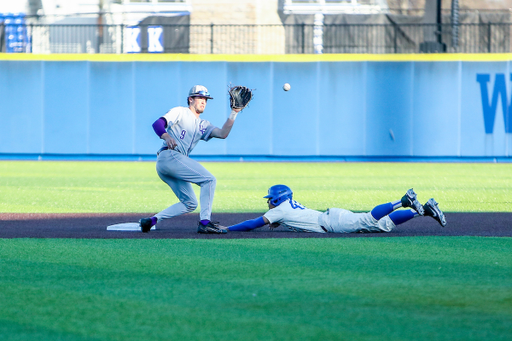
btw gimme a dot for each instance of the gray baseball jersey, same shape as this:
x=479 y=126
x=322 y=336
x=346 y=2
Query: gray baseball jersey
x=296 y=217
x=186 y=129
x=179 y=171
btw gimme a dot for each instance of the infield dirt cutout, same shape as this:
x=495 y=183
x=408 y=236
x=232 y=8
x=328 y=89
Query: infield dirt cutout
x=94 y=225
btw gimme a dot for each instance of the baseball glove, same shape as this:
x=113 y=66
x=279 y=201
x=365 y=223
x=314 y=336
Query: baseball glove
x=239 y=96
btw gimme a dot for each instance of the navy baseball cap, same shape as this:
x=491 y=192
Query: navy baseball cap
x=199 y=91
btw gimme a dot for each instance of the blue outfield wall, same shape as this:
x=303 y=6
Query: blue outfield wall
x=346 y=106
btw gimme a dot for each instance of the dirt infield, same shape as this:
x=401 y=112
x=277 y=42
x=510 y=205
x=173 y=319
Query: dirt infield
x=87 y=225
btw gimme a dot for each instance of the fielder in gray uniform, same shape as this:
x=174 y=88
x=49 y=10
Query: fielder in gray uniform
x=181 y=128
x=285 y=211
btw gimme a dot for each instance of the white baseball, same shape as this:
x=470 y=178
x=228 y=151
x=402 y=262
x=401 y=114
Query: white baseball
x=286 y=87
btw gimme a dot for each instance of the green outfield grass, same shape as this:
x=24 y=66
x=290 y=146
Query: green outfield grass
x=408 y=288
x=135 y=187
x=437 y=288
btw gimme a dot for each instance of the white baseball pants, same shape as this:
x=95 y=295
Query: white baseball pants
x=339 y=220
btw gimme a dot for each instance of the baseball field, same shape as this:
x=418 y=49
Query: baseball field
x=65 y=277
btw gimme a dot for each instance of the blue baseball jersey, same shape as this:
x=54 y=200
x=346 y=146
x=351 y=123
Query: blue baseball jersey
x=186 y=129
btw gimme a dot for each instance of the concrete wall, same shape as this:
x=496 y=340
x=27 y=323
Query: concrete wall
x=343 y=107
x=240 y=12
x=269 y=39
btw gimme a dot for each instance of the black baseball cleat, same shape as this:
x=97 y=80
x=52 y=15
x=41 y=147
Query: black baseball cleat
x=211 y=227
x=409 y=200
x=145 y=224
x=432 y=210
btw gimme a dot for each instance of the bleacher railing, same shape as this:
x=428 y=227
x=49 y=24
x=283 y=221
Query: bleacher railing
x=20 y=37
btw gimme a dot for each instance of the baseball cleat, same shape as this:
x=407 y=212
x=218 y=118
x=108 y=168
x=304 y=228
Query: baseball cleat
x=409 y=200
x=432 y=210
x=145 y=224
x=211 y=227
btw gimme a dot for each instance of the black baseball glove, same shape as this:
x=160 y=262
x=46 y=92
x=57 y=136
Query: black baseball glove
x=239 y=96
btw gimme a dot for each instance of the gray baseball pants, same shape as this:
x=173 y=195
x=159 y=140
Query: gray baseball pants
x=179 y=172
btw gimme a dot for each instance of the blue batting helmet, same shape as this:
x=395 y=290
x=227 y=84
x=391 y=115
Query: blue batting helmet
x=278 y=194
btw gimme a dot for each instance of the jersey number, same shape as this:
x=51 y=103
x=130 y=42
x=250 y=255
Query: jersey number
x=295 y=205
x=182 y=136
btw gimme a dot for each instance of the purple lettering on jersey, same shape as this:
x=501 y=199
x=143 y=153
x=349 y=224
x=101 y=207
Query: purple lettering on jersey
x=201 y=129
x=183 y=132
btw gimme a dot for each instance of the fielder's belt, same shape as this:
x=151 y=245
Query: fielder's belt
x=161 y=150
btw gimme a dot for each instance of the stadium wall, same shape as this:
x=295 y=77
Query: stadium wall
x=339 y=105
